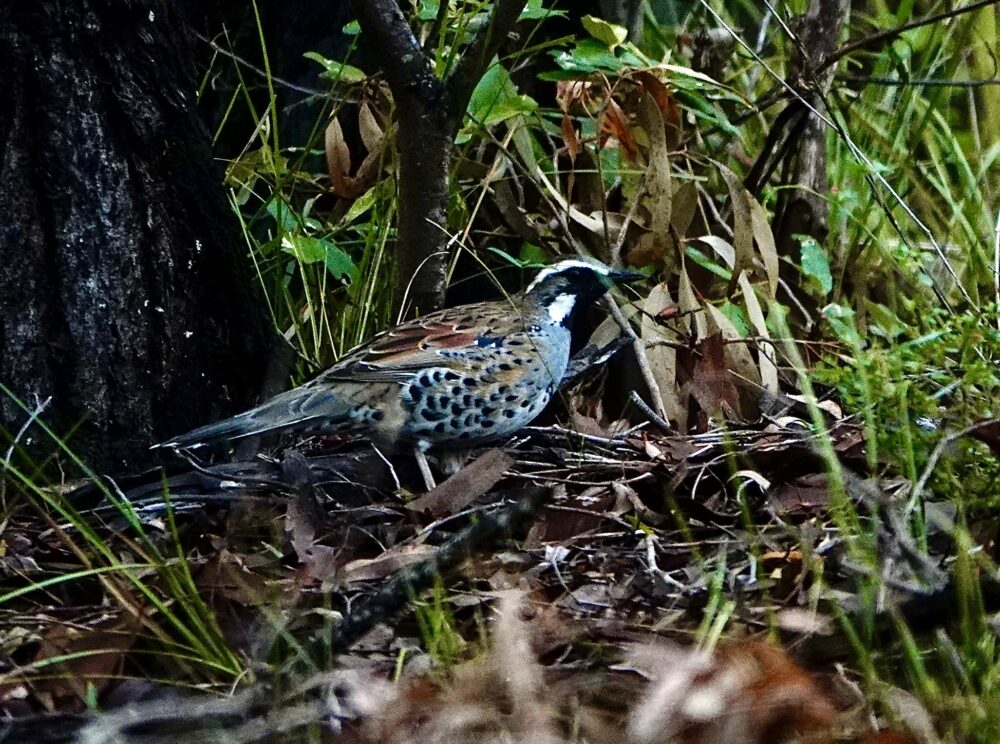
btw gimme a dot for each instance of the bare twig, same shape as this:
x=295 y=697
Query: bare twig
x=936 y=454
x=40 y=406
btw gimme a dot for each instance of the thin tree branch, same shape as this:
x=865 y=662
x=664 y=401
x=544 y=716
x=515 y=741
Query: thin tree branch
x=891 y=33
x=918 y=82
x=218 y=48
x=483 y=48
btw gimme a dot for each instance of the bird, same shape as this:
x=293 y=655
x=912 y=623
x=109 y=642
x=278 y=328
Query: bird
x=456 y=378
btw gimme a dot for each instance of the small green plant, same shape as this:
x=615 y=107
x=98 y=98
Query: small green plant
x=915 y=386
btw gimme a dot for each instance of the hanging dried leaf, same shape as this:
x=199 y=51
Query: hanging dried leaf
x=722 y=247
x=572 y=94
x=739 y=199
x=658 y=183
x=656 y=88
x=338 y=158
x=765 y=243
x=570 y=138
x=712 y=386
x=737 y=354
x=371 y=131
x=684 y=207
x=765 y=350
x=662 y=357
x=614 y=122
x=691 y=307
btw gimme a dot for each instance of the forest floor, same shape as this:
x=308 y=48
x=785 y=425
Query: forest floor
x=656 y=587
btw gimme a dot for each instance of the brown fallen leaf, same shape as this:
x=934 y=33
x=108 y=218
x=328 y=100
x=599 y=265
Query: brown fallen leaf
x=91 y=658
x=465 y=486
x=370 y=569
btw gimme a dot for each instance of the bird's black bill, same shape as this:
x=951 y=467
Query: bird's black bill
x=624 y=277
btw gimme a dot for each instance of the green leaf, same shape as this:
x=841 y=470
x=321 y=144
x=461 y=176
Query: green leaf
x=707 y=263
x=361 y=205
x=506 y=257
x=337 y=71
x=737 y=317
x=496 y=99
x=351 y=29
x=535 y=11
x=284 y=216
x=843 y=322
x=427 y=10
x=590 y=55
x=815 y=263
x=609 y=34
x=695 y=103
x=340 y=265
x=887 y=324
x=310 y=250
x=532 y=255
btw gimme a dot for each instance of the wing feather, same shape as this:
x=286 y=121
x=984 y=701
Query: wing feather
x=399 y=354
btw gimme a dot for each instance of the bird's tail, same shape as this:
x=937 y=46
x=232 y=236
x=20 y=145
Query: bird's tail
x=293 y=410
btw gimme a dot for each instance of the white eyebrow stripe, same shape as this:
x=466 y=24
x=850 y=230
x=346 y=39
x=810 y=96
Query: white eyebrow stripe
x=569 y=263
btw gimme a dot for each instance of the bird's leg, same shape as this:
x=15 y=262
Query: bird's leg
x=451 y=461
x=425 y=469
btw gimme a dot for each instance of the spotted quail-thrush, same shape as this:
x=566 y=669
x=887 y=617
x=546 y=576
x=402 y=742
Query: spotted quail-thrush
x=456 y=378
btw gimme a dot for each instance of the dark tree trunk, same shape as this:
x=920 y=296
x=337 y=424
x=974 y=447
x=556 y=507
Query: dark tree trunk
x=123 y=292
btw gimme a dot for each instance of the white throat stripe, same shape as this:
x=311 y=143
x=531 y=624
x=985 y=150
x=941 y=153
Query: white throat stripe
x=561 y=307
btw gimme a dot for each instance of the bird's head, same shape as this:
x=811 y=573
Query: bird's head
x=573 y=284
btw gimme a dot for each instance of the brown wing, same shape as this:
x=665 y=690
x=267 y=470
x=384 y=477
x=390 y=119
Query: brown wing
x=397 y=354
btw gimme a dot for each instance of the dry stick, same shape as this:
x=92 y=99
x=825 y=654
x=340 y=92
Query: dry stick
x=649 y=413
x=996 y=265
x=398 y=592
x=219 y=49
x=639 y=347
x=918 y=82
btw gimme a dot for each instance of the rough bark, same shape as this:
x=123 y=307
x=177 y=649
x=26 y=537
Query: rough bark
x=429 y=114
x=123 y=293
x=804 y=210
